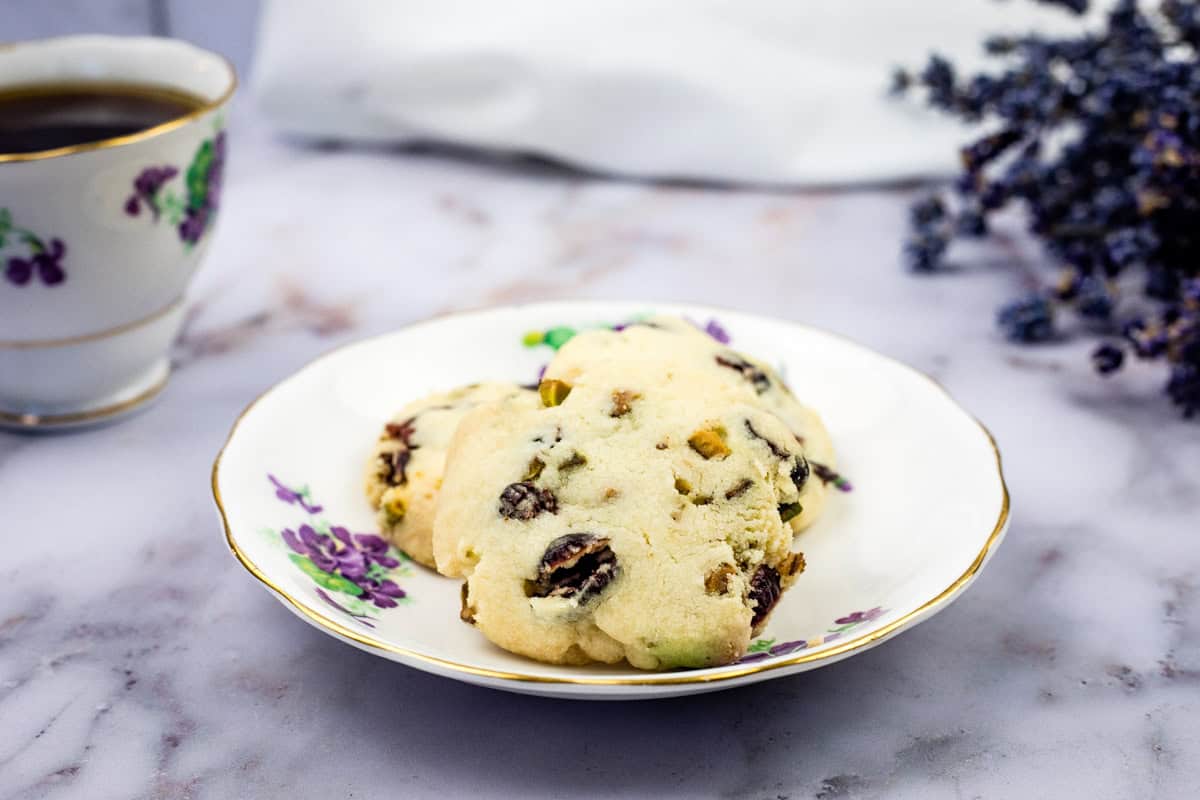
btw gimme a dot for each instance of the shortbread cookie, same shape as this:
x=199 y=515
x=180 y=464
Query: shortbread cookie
x=641 y=516
x=405 y=469
x=671 y=342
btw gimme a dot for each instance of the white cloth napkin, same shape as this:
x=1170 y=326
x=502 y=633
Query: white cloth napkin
x=763 y=91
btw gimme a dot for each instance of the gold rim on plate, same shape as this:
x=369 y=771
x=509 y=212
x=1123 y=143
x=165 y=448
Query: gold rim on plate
x=669 y=679
x=129 y=138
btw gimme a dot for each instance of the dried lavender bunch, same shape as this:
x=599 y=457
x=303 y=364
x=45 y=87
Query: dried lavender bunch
x=1097 y=138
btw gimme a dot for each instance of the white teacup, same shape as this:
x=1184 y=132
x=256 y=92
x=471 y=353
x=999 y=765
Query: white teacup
x=98 y=241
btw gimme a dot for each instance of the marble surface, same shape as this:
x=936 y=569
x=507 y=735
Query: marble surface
x=137 y=660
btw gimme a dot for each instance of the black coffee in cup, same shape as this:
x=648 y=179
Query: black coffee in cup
x=50 y=116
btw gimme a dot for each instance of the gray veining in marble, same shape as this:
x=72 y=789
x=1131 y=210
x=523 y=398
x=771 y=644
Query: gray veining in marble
x=137 y=660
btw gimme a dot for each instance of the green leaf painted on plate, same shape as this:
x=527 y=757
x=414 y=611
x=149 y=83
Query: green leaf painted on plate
x=360 y=607
x=326 y=580
x=557 y=337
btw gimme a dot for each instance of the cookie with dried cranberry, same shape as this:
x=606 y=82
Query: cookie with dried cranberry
x=643 y=517
x=404 y=472
x=673 y=342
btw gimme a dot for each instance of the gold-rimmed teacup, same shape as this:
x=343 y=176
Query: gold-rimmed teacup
x=99 y=239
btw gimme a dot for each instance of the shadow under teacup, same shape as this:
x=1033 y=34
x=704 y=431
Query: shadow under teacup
x=112 y=151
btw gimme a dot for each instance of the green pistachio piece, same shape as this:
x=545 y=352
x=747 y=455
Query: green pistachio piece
x=788 y=511
x=553 y=392
x=710 y=443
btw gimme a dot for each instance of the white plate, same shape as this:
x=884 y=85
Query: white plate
x=927 y=509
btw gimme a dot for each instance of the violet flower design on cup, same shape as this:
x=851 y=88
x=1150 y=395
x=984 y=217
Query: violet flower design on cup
x=193 y=210
x=112 y=159
x=44 y=258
